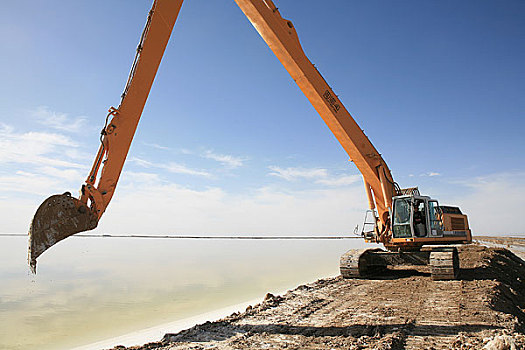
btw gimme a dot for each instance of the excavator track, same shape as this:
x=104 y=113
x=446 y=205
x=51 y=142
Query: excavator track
x=357 y=263
x=444 y=264
x=349 y=263
x=363 y=263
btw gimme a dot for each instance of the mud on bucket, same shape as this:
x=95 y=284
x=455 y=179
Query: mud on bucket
x=58 y=217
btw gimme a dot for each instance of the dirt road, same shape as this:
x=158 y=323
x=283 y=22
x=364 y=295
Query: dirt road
x=406 y=310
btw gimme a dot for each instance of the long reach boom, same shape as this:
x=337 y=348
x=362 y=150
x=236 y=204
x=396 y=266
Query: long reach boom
x=61 y=216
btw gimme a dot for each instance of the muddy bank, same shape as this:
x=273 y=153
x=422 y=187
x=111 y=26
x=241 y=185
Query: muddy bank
x=402 y=310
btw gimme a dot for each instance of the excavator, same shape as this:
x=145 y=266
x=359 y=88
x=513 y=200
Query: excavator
x=414 y=229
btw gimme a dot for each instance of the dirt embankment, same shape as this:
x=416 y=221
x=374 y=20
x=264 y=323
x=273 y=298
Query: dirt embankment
x=405 y=310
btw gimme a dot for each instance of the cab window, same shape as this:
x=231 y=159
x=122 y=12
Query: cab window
x=401 y=224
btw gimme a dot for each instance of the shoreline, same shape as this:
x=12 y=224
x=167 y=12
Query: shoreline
x=156 y=333
x=400 y=309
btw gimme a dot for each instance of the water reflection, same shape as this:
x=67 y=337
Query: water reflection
x=90 y=289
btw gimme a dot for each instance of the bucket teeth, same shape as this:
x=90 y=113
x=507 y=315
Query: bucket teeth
x=58 y=217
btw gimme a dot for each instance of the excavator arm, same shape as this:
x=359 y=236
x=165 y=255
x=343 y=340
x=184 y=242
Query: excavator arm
x=119 y=131
x=61 y=216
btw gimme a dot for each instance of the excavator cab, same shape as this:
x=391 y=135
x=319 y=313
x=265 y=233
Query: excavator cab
x=416 y=216
x=421 y=219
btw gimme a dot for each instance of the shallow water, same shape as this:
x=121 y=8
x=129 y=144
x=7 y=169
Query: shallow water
x=91 y=289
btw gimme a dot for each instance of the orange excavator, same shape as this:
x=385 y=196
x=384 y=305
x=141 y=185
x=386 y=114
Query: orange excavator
x=414 y=229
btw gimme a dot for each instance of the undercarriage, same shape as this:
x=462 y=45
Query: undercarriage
x=365 y=263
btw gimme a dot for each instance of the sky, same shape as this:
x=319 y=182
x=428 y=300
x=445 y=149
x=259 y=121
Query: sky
x=228 y=144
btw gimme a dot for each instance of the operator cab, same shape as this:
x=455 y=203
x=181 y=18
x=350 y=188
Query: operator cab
x=416 y=216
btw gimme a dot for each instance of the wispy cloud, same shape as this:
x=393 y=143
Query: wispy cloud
x=292 y=174
x=156 y=146
x=56 y=120
x=177 y=168
x=431 y=174
x=42 y=181
x=39 y=163
x=140 y=178
x=172 y=167
x=225 y=159
x=317 y=175
x=427 y=174
x=26 y=182
x=36 y=148
x=340 y=181
x=72 y=175
x=141 y=162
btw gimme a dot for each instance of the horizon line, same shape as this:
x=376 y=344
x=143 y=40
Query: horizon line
x=192 y=236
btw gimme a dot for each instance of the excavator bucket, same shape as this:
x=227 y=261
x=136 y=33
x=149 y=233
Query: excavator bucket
x=58 y=217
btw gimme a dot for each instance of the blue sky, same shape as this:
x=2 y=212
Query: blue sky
x=229 y=144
